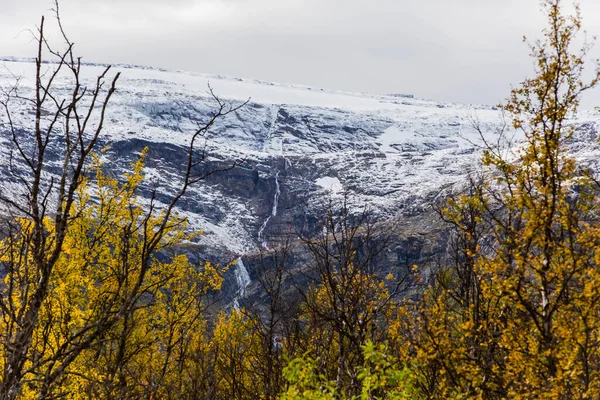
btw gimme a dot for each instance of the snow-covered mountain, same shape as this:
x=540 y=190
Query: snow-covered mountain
x=393 y=152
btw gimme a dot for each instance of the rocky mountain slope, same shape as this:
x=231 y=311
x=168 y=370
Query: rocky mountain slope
x=392 y=153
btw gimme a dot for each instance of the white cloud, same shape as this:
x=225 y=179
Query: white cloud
x=460 y=50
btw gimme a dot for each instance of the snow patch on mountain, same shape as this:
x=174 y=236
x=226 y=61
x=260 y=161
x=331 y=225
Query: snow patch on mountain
x=331 y=184
x=391 y=153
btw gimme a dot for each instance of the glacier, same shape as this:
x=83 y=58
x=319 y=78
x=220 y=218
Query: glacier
x=394 y=154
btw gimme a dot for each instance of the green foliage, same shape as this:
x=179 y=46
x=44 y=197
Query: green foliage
x=380 y=378
x=305 y=383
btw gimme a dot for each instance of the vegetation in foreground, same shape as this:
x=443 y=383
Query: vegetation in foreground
x=90 y=306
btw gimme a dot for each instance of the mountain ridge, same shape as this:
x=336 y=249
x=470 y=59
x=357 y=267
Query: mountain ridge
x=393 y=154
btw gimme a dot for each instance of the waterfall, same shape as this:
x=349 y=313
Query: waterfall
x=273 y=212
x=277 y=194
x=274 y=111
x=242 y=278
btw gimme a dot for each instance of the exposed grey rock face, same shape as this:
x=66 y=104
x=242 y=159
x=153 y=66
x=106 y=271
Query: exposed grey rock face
x=392 y=153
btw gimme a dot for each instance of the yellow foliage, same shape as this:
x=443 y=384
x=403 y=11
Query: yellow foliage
x=126 y=320
x=236 y=348
x=520 y=318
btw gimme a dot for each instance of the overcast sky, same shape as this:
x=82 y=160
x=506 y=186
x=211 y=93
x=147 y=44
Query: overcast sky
x=450 y=50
